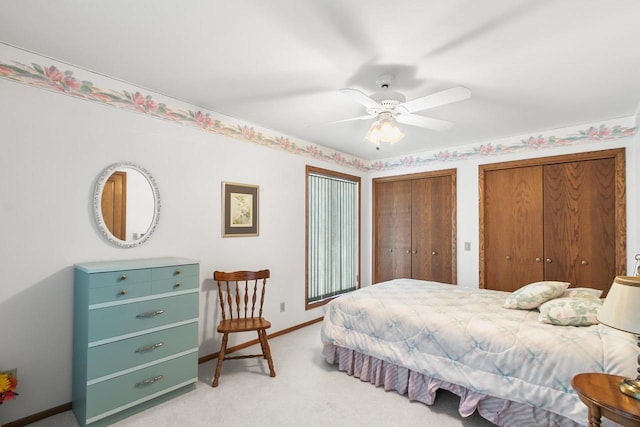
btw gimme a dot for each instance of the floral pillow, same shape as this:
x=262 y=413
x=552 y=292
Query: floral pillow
x=573 y=311
x=582 y=293
x=534 y=294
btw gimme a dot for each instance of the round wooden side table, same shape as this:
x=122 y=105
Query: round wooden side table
x=602 y=396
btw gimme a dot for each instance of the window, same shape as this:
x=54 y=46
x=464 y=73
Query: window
x=333 y=235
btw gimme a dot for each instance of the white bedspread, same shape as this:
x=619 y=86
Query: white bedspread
x=465 y=337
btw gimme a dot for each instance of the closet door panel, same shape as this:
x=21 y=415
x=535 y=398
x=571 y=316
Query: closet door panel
x=513 y=227
x=393 y=230
x=599 y=249
x=431 y=213
x=562 y=188
x=579 y=215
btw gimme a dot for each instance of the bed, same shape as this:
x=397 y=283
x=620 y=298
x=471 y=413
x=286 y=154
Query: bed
x=416 y=337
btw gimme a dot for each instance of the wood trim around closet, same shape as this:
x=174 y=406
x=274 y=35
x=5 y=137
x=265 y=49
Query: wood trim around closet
x=618 y=154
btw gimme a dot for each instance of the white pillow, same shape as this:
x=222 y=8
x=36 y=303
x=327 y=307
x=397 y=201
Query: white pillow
x=582 y=293
x=574 y=311
x=534 y=294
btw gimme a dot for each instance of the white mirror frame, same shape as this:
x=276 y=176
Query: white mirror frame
x=97 y=204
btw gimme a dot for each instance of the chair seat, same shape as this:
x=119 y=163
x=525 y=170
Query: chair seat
x=242 y=325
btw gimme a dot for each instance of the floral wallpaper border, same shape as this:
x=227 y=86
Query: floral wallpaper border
x=590 y=134
x=52 y=77
x=59 y=77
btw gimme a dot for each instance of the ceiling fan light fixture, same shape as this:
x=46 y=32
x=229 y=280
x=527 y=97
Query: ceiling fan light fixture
x=389 y=107
x=384 y=130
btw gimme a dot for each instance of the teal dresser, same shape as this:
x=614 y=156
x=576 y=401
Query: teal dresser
x=135 y=336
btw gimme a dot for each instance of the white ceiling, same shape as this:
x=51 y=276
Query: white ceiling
x=531 y=65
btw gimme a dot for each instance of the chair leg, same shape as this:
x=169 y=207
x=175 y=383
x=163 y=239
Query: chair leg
x=223 y=350
x=262 y=334
x=261 y=338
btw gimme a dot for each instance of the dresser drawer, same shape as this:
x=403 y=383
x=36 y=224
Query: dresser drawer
x=110 y=322
x=114 y=357
x=175 y=278
x=123 y=292
x=121 y=277
x=179 y=283
x=176 y=272
x=126 y=389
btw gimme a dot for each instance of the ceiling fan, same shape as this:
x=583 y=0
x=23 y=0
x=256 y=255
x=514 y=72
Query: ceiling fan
x=389 y=106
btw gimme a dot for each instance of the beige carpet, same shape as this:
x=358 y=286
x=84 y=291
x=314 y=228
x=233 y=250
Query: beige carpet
x=306 y=392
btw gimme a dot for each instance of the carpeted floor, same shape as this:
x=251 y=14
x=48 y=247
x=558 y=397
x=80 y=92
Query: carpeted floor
x=306 y=392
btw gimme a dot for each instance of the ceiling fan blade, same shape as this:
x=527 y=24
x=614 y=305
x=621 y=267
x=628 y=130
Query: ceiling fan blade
x=348 y=120
x=447 y=96
x=423 y=122
x=354 y=118
x=360 y=98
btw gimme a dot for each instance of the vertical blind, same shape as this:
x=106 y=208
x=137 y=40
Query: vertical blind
x=332 y=236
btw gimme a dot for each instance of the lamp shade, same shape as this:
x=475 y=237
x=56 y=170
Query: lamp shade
x=621 y=308
x=384 y=130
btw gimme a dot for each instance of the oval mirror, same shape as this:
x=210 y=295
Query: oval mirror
x=126 y=204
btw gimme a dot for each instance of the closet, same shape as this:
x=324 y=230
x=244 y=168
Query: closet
x=414 y=227
x=556 y=218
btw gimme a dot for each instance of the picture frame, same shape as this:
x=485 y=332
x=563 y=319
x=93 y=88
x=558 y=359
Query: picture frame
x=240 y=209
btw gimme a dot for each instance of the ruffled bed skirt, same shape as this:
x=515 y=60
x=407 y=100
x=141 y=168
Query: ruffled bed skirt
x=422 y=388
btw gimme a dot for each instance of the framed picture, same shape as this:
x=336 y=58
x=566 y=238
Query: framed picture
x=239 y=209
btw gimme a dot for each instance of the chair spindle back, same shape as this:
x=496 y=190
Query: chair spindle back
x=241 y=290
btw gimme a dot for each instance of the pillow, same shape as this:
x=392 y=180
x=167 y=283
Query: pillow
x=582 y=293
x=534 y=294
x=573 y=311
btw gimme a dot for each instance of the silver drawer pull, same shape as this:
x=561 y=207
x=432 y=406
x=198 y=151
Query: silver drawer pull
x=178 y=272
x=178 y=284
x=149 y=347
x=149 y=381
x=123 y=277
x=151 y=314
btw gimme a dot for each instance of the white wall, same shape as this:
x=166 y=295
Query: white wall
x=53 y=148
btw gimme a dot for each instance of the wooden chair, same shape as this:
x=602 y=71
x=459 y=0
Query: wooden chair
x=243 y=292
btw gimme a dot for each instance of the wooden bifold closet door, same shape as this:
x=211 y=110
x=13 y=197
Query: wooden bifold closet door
x=513 y=227
x=414 y=227
x=579 y=217
x=392 y=230
x=433 y=237
x=558 y=218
